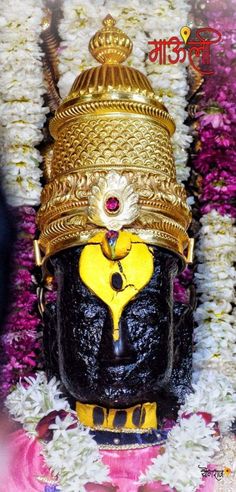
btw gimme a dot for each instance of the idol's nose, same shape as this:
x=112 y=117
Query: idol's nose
x=123 y=353
x=117 y=352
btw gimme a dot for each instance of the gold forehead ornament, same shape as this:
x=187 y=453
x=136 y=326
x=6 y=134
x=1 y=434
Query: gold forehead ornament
x=112 y=164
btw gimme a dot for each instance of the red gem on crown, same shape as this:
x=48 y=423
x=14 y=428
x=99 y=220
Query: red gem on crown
x=112 y=204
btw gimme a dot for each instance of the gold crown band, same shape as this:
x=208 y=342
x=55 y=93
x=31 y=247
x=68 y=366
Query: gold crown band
x=124 y=103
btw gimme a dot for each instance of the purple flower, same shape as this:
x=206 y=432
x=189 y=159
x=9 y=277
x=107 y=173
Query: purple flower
x=218 y=185
x=215 y=119
x=180 y=292
x=20 y=340
x=215 y=152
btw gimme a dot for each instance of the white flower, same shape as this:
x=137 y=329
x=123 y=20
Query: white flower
x=84 y=464
x=21 y=88
x=72 y=454
x=60 y=427
x=190 y=200
x=28 y=404
x=190 y=443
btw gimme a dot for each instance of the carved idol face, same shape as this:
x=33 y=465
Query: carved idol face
x=115 y=330
x=111 y=171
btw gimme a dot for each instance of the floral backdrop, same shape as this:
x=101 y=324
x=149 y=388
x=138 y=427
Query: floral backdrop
x=43 y=47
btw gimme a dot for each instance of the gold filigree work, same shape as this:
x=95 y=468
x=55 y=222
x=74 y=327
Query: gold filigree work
x=112 y=121
x=106 y=143
x=110 y=44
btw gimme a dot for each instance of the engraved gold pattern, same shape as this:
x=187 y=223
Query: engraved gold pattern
x=110 y=44
x=112 y=143
x=81 y=106
x=112 y=121
x=131 y=446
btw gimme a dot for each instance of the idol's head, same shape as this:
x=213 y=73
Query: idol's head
x=112 y=170
x=98 y=364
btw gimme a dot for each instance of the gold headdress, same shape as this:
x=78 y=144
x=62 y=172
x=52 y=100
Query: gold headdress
x=112 y=164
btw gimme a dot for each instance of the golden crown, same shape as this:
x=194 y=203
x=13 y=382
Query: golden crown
x=111 y=165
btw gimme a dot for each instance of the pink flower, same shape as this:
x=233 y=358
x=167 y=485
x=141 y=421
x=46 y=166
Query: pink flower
x=215 y=120
x=218 y=186
x=223 y=209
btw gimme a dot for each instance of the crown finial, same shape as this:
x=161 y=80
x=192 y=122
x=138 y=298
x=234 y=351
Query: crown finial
x=110 y=44
x=109 y=21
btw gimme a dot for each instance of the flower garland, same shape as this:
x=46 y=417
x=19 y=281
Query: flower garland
x=22 y=118
x=142 y=22
x=214 y=355
x=44 y=413
x=20 y=343
x=22 y=89
x=215 y=279
x=79 y=24
x=194 y=440
x=190 y=445
x=170 y=81
x=216 y=114
x=38 y=400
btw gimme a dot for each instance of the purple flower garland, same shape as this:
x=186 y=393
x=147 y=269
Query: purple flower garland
x=215 y=161
x=20 y=343
x=216 y=157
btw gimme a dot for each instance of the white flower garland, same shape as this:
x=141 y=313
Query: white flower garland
x=75 y=30
x=192 y=442
x=31 y=402
x=21 y=93
x=215 y=335
x=214 y=362
x=214 y=358
x=28 y=405
x=170 y=81
x=142 y=22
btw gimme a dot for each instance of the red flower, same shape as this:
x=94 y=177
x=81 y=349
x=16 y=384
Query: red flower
x=207 y=417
